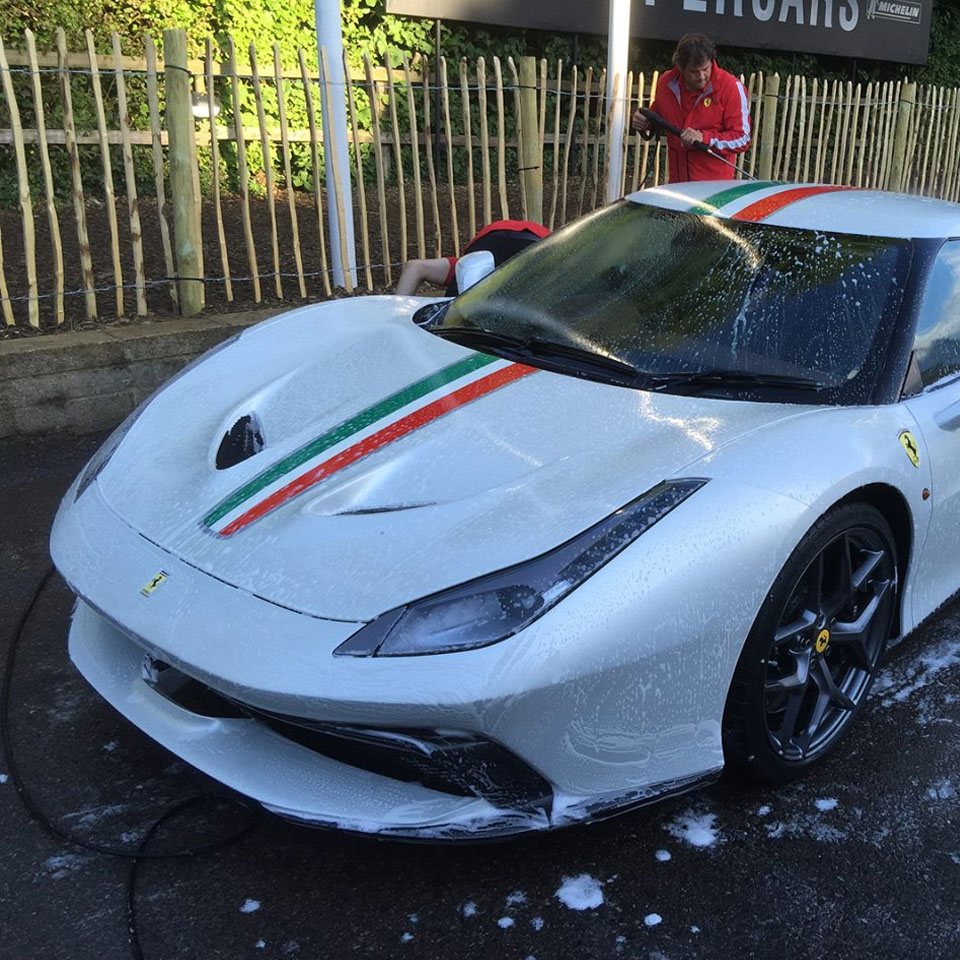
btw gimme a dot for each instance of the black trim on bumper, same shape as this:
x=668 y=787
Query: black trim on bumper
x=459 y=763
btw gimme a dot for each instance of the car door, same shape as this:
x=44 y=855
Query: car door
x=932 y=396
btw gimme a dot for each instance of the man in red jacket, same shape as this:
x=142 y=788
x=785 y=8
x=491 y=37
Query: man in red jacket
x=707 y=104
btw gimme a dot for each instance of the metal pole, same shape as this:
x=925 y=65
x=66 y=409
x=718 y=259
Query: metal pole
x=437 y=53
x=329 y=35
x=618 y=45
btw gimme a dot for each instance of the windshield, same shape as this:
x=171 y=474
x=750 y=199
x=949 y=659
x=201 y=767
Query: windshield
x=761 y=312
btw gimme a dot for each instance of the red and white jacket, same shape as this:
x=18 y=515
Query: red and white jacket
x=721 y=112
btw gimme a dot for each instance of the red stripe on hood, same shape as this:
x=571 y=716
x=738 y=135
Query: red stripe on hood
x=394 y=431
x=761 y=209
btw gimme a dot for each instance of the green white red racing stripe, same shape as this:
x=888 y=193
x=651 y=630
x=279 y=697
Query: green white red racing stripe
x=765 y=206
x=355 y=438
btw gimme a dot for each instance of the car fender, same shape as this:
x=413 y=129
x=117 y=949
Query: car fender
x=825 y=456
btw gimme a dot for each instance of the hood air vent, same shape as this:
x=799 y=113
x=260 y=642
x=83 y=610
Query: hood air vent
x=240 y=442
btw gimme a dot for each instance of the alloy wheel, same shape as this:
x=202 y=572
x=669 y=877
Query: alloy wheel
x=827 y=643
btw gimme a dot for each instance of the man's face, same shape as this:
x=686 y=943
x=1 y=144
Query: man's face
x=696 y=75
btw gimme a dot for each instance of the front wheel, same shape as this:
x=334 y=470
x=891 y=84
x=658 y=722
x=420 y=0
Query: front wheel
x=815 y=646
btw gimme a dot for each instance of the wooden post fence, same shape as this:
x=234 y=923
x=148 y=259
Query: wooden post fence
x=768 y=127
x=133 y=174
x=905 y=105
x=182 y=131
x=530 y=169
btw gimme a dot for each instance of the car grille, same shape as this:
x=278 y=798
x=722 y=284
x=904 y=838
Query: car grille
x=460 y=763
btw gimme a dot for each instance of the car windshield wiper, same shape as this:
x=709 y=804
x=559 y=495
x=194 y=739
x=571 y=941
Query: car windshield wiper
x=564 y=357
x=479 y=336
x=704 y=379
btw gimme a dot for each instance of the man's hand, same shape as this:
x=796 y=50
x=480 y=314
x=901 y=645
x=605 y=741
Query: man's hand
x=689 y=137
x=639 y=122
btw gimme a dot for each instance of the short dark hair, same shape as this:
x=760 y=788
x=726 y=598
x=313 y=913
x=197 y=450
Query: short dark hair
x=694 y=48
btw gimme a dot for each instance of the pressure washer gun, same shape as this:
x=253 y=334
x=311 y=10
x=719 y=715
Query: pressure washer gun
x=658 y=123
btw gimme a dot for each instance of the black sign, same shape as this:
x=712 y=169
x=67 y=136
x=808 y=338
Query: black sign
x=878 y=29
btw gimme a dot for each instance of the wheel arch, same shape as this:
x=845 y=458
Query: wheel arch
x=739 y=744
x=893 y=505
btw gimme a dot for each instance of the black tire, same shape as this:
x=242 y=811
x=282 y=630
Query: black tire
x=815 y=646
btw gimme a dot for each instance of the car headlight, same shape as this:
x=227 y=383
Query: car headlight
x=498 y=605
x=102 y=457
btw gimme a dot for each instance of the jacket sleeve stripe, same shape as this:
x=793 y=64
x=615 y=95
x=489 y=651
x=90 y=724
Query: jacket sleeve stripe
x=743 y=140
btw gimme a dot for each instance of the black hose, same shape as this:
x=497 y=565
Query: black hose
x=254 y=811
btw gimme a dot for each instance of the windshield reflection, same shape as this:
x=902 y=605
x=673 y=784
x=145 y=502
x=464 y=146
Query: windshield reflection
x=673 y=293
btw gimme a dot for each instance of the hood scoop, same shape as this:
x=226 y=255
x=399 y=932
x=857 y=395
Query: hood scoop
x=242 y=441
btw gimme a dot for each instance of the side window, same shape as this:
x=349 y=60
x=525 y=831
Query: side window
x=936 y=346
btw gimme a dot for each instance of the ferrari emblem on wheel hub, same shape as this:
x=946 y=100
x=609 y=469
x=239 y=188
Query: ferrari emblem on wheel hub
x=823 y=640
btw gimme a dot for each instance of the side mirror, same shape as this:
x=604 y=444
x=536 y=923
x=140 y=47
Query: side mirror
x=473 y=267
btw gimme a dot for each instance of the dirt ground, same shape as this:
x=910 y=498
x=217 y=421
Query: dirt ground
x=159 y=302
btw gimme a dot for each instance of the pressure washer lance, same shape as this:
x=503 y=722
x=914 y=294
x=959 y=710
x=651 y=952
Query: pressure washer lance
x=658 y=122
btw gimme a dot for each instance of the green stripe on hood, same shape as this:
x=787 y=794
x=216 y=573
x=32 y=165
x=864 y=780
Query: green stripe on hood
x=712 y=204
x=349 y=427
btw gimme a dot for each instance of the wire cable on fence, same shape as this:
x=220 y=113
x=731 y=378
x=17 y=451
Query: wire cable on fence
x=433 y=87
x=166 y=281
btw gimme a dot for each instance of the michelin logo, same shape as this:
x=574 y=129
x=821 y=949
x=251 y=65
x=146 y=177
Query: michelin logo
x=903 y=11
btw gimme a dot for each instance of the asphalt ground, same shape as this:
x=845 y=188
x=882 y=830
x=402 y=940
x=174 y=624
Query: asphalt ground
x=861 y=859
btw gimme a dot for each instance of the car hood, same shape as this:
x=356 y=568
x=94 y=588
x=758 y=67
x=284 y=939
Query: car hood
x=394 y=464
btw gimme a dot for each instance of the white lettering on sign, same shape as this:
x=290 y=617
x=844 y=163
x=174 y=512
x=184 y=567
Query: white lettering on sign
x=850 y=16
x=806 y=12
x=762 y=12
x=796 y=6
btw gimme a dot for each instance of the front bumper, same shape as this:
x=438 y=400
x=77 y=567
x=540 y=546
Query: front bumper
x=559 y=712
x=299 y=782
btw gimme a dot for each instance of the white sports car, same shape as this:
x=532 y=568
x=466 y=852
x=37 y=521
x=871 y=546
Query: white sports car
x=650 y=499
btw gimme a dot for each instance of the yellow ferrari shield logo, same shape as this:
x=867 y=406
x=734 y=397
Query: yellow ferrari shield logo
x=910 y=445
x=823 y=640
x=154 y=582
x=708 y=101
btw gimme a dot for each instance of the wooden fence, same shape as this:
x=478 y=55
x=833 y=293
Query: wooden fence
x=436 y=151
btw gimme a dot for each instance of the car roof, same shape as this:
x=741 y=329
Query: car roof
x=811 y=206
